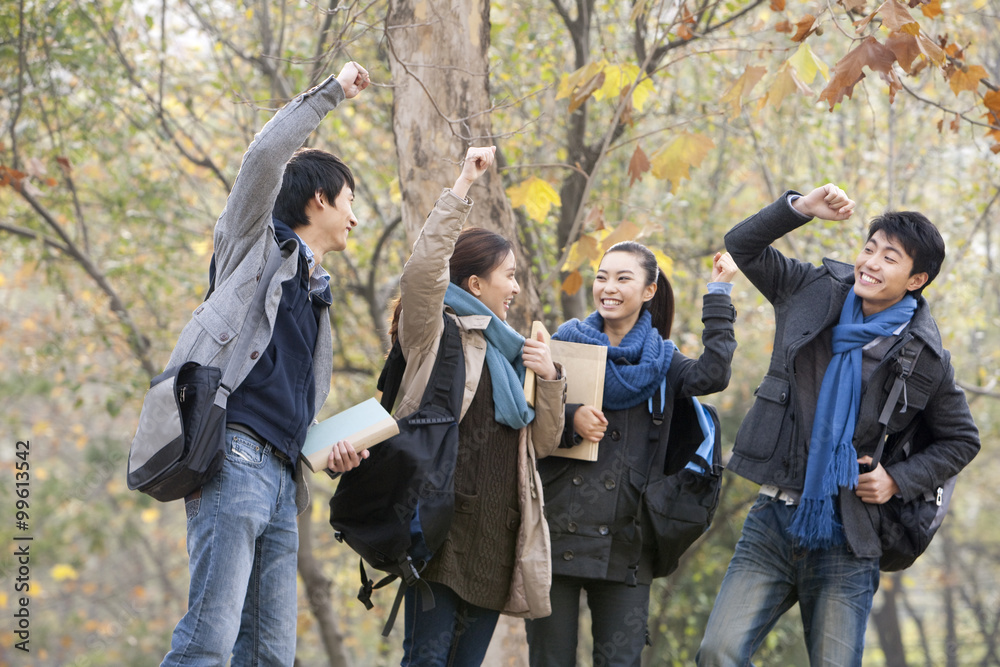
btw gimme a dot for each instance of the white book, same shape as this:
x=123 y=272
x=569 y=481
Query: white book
x=363 y=425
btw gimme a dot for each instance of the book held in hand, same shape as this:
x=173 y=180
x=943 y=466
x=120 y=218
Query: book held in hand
x=363 y=425
x=584 y=367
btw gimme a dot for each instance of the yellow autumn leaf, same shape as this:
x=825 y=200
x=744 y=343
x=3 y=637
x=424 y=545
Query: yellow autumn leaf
x=616 y=79
x=785 y=83
x=967 y=79
x=665 y=263
x=626 y=231
x=642 y=93
x=62 y=572
x=806 y=64
x=741 y=88
x=573 y=283
x=585 y=248
x=3 y=600
x=150 y=515
x=536 y=196
x=573 y=80
x=674 y=162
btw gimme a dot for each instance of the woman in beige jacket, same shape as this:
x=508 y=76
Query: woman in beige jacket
x=495 y=557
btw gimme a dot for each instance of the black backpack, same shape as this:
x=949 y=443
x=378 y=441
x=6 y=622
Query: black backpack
x=395 y=509
x=681 y=496
x=907 y=527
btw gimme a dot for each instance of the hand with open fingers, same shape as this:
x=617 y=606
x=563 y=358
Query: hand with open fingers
x=589 y=423
x=343 y=457
x=875 y=487
x=723 y=268
x=827 y=202
x=353 y=78
x=537 y=356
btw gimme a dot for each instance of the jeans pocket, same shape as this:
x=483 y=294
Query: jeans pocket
x=192 y=505
x=244 y=451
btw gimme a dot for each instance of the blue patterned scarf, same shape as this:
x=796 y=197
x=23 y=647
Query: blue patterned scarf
x=833 y=460
x=503 y=356
x=635 y=367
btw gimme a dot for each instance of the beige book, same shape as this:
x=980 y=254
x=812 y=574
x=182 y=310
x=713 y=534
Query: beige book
x=363 y=425
x=584 y=367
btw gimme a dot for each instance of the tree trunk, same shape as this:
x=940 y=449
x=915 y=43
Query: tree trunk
x=441 y=106
x=317 y=587
x=886 y=619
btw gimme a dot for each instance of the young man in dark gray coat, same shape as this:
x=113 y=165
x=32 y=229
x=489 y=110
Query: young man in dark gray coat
x=814 y=534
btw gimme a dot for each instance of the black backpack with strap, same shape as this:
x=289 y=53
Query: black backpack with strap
x=395 y=509
x=906 y=528
x=683 y=487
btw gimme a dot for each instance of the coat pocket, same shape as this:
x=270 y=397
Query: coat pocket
x=765 y=424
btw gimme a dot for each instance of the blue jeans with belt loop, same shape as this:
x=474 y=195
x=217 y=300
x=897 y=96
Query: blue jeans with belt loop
x=242 y=540
x=769 y=573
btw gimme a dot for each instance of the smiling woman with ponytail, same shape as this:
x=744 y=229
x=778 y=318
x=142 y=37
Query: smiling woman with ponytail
x=591 y=505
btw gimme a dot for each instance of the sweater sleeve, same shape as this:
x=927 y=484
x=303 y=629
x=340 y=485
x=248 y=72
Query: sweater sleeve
x=248 y=209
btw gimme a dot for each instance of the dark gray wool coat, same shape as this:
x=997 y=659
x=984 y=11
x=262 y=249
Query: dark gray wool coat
x=772 y=444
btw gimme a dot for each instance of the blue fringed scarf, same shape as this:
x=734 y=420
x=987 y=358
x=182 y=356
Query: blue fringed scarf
x=646 y=353
x=833 y=461
x=503 y=356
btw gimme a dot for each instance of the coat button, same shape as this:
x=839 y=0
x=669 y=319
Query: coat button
x=571 y=526
x=609 y=484
x=616 y=435
x=254 y=354
x=224 y=337
x=603 y=530
x=567 y=555
x=200 y=308
x=466 y=505
x=578 y=480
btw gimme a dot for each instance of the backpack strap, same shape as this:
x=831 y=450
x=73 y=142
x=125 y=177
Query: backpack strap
x=438 y=391
x=905 y=362
x=391 y=376
x=445 y=373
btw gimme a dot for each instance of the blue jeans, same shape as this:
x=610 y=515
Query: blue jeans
x=242 y=541
x=618 y=616
x=768 y=574
x=452 y=634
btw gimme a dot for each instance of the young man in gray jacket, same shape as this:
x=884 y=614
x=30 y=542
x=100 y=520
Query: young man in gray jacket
x=242 y=536
x=813 y=536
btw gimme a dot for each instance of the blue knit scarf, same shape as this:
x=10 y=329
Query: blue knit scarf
x=635 y=367
x=503 y=357
x=833 y=460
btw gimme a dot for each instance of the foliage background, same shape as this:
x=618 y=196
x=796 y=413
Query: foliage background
x=123 y=125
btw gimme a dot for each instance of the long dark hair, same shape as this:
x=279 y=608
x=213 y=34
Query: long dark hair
x=661 y=306
x=477 y=252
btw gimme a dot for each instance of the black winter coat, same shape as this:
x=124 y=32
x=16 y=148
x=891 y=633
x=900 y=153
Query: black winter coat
x=772 y=444
x=590 y=506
